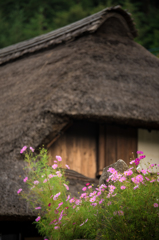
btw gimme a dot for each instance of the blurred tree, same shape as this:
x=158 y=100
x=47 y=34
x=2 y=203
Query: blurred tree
x=22 y=20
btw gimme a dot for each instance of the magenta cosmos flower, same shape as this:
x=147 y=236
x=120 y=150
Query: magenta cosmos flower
x=25 y=179
x=23 y=149
x=155 y=205
x=19 y=190
x=32 y=149
x=37 y=219
x=59 y=158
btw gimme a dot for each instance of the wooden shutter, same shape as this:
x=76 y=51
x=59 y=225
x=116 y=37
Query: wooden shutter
x=78 y=148
x=115 y=142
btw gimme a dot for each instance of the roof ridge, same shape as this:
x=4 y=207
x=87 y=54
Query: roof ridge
x=87 y=24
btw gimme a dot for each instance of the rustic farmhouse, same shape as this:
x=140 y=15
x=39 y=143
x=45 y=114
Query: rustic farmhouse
x=87 y=92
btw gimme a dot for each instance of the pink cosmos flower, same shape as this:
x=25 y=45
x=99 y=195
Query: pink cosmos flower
x=56 y=196
x=54 y=166
x=147 y=178
x=122 y=179
x=111 y=170
x=38 y=208
x=120 y=213
x=56 y=212
x=94 y=204
x=87 y=184
x=134 y=180
x=139 y=178
x=139 y=152
x=37 y=219
x=132 y=161
x=136 y=187
x=45 y=180
x=36 y=182
x=152 y=165
x=49 y=204
x=91 y=194
x=67 y=166
x=53 y=221
x=137 y=161
x=25 y=179
x=83 y=195
x=59 y=205
x=153 y=180
x=122 y=187
x=23 y=149
x=89 y=187
x=56 y=227
x=92 y=199
x=19 y=190
x=144 y=171
x=60 y=215
x=128 y=173
x=71 y=200
x=50 y=176
x=66 y=186
x=103 y=185
x=59 y=174
x=114 y=195
x=85 y=221
x=111 y=187
x=155 y=205
x=99 y=193
x=101 y=201
x=84 y=189
x=78 y=202
x=32 y=149
x=59 y=158
x=68 y=198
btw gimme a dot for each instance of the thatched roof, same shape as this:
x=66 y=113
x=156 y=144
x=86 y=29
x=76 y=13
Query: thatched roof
x=101 y=75
x=87 y=25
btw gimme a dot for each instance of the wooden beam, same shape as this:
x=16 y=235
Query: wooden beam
x=59 y=134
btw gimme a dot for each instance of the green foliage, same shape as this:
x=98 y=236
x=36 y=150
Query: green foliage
x=133 y=208
x=22 y=20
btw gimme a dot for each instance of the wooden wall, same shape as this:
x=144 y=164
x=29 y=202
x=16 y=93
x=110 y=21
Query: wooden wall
x=87 y=147
x=78 y=148
x=115 y=142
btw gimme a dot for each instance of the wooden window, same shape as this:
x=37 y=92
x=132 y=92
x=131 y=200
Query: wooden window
x=115 y=142
x=78 y=148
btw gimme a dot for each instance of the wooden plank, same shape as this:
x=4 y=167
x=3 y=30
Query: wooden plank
x=58 y=148
x=92 y=152
x=111 y=144
x=101 y=148
x=126 y=143
x=122 y=143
